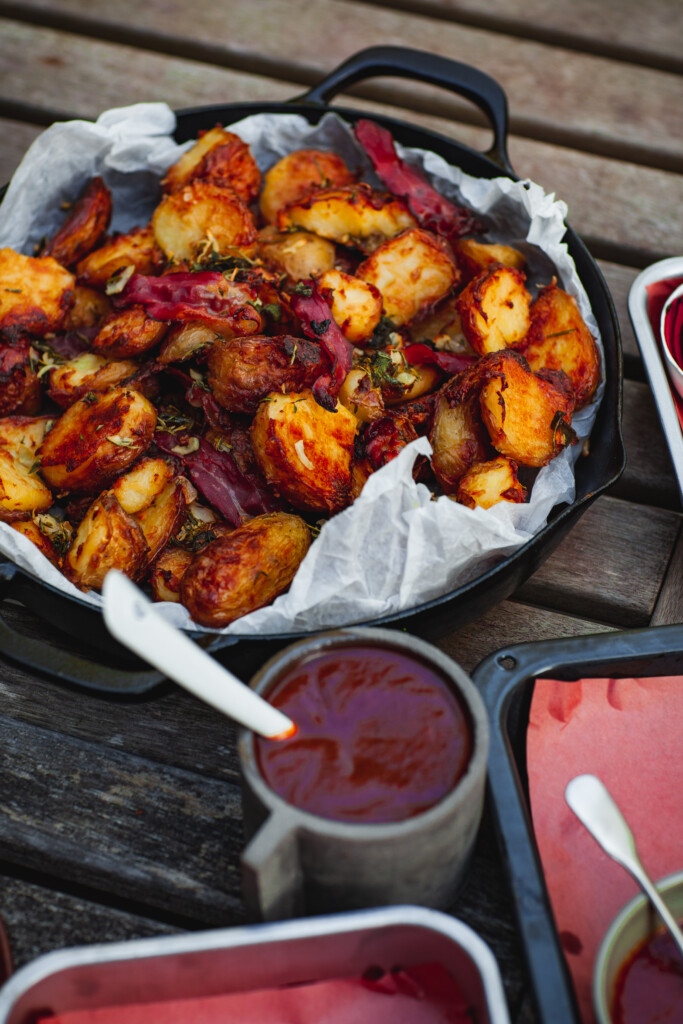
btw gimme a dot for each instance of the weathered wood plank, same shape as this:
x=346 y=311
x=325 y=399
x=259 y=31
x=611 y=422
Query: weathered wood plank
x=649 y=477
x=619 y=280
x=17 y=136
x=40 y=920
x=669 y=607
x=159 y=836
x=596 y=104
x=627 y=29
x=611 y=566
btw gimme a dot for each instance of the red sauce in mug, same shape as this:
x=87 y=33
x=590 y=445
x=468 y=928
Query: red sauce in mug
x=381 y=736
x=649 y=986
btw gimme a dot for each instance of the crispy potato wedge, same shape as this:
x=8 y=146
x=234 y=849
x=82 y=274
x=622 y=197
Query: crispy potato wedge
x=84 y=228
x=199 y=212
x=107 y=538
x=356 y=305
x=246 y=570
x=411 y=272
x=42 y=539
x=558 y=339
x=487 y=483
x=354 y=215
x=474 y=257
x=167 y=573
x=160 y=519
x=494 y=309
x=35 y=296
x=96 y=439
x=90 y=307
x=22 y=492
x=298 y=254
x=127 y=333
x=528 y=417
x=297 y=175
x=361 y=397
x=304 y=451
x=244 y=370
x=74 y=378
x=221 y=157
x=458 y=440
x=136 y=248
x=141 y=485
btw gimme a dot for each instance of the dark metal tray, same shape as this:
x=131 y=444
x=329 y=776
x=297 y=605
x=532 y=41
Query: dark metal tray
x=506 y=681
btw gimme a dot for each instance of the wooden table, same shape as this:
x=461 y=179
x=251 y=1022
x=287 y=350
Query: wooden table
x=122 y=819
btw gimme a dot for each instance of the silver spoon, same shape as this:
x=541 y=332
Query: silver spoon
x=592 y=804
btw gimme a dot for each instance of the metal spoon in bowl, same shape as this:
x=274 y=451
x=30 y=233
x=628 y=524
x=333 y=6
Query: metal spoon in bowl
x=592 y=804
x=134 y=621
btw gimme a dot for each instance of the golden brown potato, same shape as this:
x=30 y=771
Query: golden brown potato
x=486 y=483
x=161 y=518
x=199 y=212
x=361 y=397
x=141 y=485
x=297 y=175
x=49 y=534
x=137 y=248
x=84 y=228
x=24 y=434
x=412 y=273
x=96 y=439
x=494 y=308
x=22 y=492
x=89 y=309
x=474 y=257
x=354 y=215
x=127 y=333
x=167 y=573
x=246 y=570
x=458 y=440
x=528 y=418
x=356 y=305
x=36 y=293
x=244 y=370
x=442 y=327
x=559 y=340
x=185 y=340
x=298 y=254
x=74 y=378
x=304 y=451
x=107 y=538
x=221 y=157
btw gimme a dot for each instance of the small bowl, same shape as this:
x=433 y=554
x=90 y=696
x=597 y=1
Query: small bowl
x=672 y=368
x=630 y=928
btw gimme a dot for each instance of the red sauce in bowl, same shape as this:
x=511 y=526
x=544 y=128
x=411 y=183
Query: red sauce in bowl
x=649 y=986
x=381 y=736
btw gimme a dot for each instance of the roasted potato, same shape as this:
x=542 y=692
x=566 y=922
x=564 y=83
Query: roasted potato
x=167 y=573
x=356 y=305
x=137 y=248
x=361 y=397
x=458 y=440
x=97 y=438
x=354 y=215
x=20 y=391
x=411 y=272
x=221 y=157
x=474 y=257
x=75 y=378
x=22 y=492
x=127 y=333
x=162 y=517
x=304 y=451
x=528 y=417
x=297 y=175
x=487 y=483
x=244 y=370
x=199 y=212
x=84 y=228
x=298 y=254
x=141 y=485
x=23 y=435
x=47 y=533
x=35 y=296
x=558 y=339
x=494 y=309
x=183 y=341
x=246 y=570
x=89 y=309
x=442 y=327
x=107 y=538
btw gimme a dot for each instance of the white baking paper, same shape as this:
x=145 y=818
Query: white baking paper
x=397 y=546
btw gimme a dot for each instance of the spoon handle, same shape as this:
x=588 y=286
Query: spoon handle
x=593 y=805
x=136 y=623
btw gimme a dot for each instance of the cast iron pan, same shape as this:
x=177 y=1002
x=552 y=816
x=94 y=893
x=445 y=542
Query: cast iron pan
x=594 y=473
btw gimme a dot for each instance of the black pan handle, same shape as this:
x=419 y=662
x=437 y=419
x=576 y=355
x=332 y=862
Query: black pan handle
x=402 y=62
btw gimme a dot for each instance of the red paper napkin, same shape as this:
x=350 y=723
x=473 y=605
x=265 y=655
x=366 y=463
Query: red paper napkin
x=425 y=994
x=628 y=733
x=657 y=294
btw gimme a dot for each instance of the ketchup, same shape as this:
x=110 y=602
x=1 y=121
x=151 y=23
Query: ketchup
x=381 y=736
x=649 y=986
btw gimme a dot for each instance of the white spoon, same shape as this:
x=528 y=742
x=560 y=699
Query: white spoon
x=592 y=804
x=134 y=621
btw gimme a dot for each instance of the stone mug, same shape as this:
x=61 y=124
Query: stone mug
x=297 y=863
